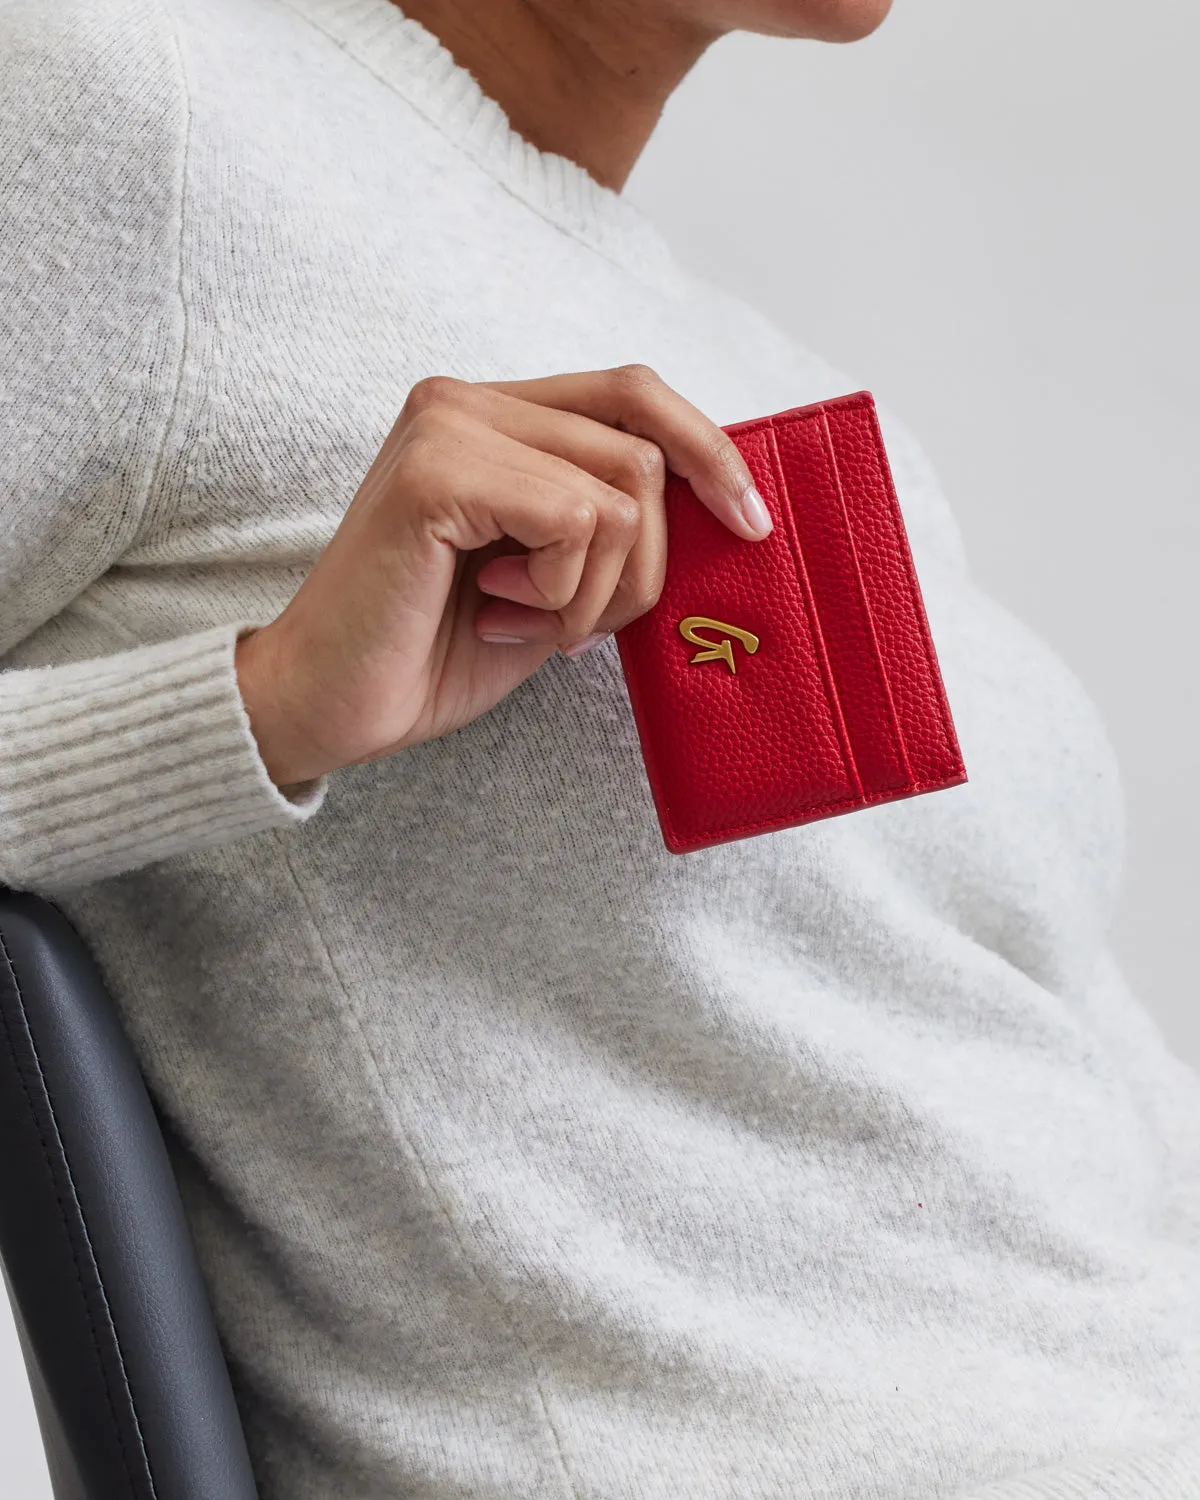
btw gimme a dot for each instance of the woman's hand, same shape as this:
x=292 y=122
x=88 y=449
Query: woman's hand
x=499 y=522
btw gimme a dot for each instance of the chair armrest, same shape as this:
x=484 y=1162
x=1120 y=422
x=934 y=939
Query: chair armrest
x=134 y=1396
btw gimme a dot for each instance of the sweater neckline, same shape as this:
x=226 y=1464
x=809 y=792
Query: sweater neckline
x=407 y=57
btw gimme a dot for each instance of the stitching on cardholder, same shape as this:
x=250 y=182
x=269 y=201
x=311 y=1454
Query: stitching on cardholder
x=898 y=742
x=914 y=593
x=810 y=605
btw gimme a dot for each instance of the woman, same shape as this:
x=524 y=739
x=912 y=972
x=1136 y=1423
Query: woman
x=525 y=1159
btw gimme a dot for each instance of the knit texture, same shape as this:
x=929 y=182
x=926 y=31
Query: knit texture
x=525 y=1160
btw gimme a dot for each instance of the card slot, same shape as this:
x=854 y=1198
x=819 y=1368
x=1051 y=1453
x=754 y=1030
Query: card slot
x=875 y=656
x=900 y=625
x=768 y=455
x=824 y=544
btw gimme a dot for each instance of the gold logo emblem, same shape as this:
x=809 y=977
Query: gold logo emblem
x=722 y=652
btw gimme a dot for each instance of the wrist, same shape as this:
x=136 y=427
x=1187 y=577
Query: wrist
x=263 y=683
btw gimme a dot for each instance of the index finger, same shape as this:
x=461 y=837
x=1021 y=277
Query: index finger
x=636 y=399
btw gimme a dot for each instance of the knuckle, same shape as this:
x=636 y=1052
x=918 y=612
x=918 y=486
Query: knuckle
x=434 y=391
x=579 y=520
x=636 y=378
x=644 y=463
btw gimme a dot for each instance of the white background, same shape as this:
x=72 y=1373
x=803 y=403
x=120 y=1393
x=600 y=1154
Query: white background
x=987 y=214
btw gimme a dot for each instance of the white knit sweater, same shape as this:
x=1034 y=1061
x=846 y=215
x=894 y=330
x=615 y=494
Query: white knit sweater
x=526 y=1160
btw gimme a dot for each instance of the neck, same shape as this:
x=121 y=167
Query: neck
x=587 y=81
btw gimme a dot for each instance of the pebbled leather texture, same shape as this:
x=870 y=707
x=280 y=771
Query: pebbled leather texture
x=841 y=703
x=132 y=1392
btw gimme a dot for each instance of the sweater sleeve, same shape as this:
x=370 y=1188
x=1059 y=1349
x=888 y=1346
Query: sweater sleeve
x=111 y=763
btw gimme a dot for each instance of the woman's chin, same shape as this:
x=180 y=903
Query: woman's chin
x=859 y=18
x=822 y=20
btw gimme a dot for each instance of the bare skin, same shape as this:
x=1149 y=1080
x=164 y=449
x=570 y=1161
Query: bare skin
x=588 y=79
x=504 y=520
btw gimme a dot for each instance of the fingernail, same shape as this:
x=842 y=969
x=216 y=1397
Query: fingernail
x=587 y=643
x=754 y=508
x=504 y=640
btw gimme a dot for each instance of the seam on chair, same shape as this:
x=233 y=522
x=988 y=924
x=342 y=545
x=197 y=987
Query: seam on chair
x=72 y=1239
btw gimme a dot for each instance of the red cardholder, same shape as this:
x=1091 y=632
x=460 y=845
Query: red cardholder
x=794 y=678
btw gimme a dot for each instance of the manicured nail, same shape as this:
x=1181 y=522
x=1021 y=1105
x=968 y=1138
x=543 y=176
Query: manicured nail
x=504 y=640
x=754 y=508
x=587 y=643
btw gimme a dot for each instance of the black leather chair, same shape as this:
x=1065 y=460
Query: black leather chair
x=130 y=1384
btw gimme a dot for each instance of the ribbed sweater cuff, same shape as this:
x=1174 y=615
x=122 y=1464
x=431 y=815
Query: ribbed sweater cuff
x=114 y=763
